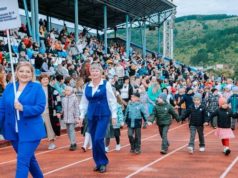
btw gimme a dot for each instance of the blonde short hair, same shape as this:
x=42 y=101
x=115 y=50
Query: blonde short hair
x=69 y=88
x=28 y=64
x=96 y=65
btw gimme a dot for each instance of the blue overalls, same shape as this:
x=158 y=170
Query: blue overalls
x=98 y=114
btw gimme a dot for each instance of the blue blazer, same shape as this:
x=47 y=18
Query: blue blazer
x=30 y=125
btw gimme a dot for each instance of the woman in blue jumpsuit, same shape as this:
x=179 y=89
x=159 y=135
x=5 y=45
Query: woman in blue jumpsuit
x=100 y=105
x=26 y=131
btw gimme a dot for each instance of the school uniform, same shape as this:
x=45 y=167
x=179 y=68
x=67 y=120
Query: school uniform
x=134 y=113
x=198 y=116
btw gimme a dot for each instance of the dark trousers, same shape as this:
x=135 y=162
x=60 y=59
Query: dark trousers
x=97 y=128
x=26 y=160
x=134 y=135
x=163 y=130
x=213 y=121
x=199 y=130
x=181 y=111
x=233 y=123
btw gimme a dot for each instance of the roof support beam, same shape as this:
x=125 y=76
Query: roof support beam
x=37 y=21
x=76 y=22
x=119 y=9
x=91 y=13
x=33 y=20
x=127 y=37
x=105 y=29
x=27 y=17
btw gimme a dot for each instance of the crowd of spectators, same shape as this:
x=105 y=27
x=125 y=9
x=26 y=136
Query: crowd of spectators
x=68 y=62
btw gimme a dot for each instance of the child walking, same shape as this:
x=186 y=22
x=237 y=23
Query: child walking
x=223 y=131
x=71 y=115
x=162 y=114
x=233 y=101
x=114 y=130
x=87 y=144
x=134 y=113
x=198 y=116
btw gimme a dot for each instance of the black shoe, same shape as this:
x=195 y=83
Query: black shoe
x=163 y=152
x=137 y=151
x=102 y=169
x=73 y=147
x=132 y=151
x=84 y=149
x=96 y=169
x=227 y=152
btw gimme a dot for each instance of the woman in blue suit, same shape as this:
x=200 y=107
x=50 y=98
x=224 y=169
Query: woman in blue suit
x=99 y=104
x=25 y=132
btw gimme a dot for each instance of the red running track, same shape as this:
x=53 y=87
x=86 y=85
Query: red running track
x=178 y=163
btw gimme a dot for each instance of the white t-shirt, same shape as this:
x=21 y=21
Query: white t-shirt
x=124 y=92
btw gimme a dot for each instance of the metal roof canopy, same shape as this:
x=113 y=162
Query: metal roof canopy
x=91 y=11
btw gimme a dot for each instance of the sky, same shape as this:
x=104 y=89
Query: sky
x=204 y=7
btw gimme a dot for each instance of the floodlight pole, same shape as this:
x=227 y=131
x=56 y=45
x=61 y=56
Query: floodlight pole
x=33 y=20
x=127 y=36
x=76 y=14
x=37 y=21
x=172 y=26
x=105 y=29
x=27 y=17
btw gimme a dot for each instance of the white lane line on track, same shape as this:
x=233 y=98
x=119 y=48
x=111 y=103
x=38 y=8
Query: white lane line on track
x=42 y=152
x=44 y=139
x=228 y=169
x=161 y=158
x=77 y=162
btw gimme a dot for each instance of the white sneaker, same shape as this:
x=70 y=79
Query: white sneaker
x=106 y=149
x=118 y=147
x=1 y=137
x=190 y=150
x=202 y=149
x=51 y=146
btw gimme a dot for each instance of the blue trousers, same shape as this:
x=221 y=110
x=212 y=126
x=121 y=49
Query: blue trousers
x=97 y=128
x=26 y=160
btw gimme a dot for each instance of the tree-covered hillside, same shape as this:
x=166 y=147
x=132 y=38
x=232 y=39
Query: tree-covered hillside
x=200 y=40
